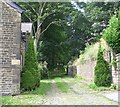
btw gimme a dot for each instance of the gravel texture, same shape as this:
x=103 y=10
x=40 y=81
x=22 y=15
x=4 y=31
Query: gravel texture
x=77 y=96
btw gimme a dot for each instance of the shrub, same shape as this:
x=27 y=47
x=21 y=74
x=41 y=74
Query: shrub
x=113 y=86
x=112 y=34
x=57 y=72
x=30 y=76
x=102 y=88
x=102 y=73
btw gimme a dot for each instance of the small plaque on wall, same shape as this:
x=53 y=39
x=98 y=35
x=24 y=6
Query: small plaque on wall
x=15 y=62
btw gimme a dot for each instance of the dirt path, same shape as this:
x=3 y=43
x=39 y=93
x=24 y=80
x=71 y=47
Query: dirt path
x=76 y=95
x=79 y=96
x=54 y=97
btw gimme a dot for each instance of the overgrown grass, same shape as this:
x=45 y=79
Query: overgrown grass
x=7 y=100
x=78 y=78
x=20 y=99
x=62 y=86
x=45 y=86
x=96 y=88
x=28 y=97
x=90 y=52
x=73 y=80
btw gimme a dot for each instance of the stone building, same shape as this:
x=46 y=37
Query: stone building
x=10 y=46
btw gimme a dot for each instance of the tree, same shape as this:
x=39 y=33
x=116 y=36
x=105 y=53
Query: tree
x=112 y=34
x=51 y=49
x=30 y=77
x=102 y=73
x=81 y=34
x=37 y=12
x=98 y=15
x=62 y=30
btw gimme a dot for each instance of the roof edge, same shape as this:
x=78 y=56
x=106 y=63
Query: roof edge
x=14 y=5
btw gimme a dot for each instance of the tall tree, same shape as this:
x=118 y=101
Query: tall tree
x=52 y=47
x=37 y=12
x=30 y=76
x=99 y=13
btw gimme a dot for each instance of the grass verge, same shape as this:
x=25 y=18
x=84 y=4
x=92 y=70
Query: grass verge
x=73 y=80
x=96 y=88
x=28 y=97
x=62 y=86
x=45 y=86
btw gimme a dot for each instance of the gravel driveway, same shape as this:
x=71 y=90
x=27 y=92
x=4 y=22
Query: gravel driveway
x=76 y=96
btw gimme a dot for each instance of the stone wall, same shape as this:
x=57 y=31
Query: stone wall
x=0 y=48
x=72 y=71
x=10 y=38
x=116 y=73
x=86 y=70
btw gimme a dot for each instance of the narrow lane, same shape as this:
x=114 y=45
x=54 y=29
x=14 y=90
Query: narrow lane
x=54 y=96
x=77 y=96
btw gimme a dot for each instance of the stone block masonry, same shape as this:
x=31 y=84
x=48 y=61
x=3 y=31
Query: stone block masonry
x=86 y=69
x=117 y=72
x=10 y=38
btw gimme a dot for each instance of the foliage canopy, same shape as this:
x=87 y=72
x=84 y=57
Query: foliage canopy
x=112 y=34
